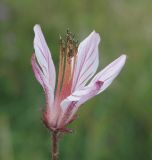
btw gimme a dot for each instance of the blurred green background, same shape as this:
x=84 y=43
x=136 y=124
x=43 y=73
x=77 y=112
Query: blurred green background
x=115 y=125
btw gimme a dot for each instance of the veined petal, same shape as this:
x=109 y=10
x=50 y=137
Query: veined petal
x=87 y=61
x=42 y=80
x=44 y=58
x=109 y=73
x=37 y=71
x=99 y=83
x=79 y=97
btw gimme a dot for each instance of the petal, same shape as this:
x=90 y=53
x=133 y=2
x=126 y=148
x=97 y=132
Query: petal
x=109 y=73
x=90 y=93
x=41 y=79
x=87 y=61
x=44 y=58
x=99 y=83
x=37 y=71
x=79 y=97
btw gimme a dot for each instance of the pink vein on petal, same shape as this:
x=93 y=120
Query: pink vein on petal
x=44 y=57
x=86 y=48
x=109 y=73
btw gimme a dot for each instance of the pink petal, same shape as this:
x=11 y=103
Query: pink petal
x=44 y=58
x=87 y=61
x=109 y=73
x=37 y=71
x=79 y=97
x=99 y=83
x=41 y=79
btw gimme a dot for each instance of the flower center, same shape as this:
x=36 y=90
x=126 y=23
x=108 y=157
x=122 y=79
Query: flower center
x=68 y=52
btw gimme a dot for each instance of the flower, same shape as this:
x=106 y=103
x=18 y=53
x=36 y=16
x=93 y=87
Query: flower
x=77 y=66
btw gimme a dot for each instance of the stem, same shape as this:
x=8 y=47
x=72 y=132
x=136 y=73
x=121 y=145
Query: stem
x=54 y=151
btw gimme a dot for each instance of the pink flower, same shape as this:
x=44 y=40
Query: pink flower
x=77 y=66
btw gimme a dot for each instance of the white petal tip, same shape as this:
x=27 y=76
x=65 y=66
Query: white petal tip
x=36 y=27
x=95 y=35
x=123 y=58
x=94 y=31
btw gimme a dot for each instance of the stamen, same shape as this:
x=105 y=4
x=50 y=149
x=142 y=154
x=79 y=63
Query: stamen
x=68 y=53
x=61 y=67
